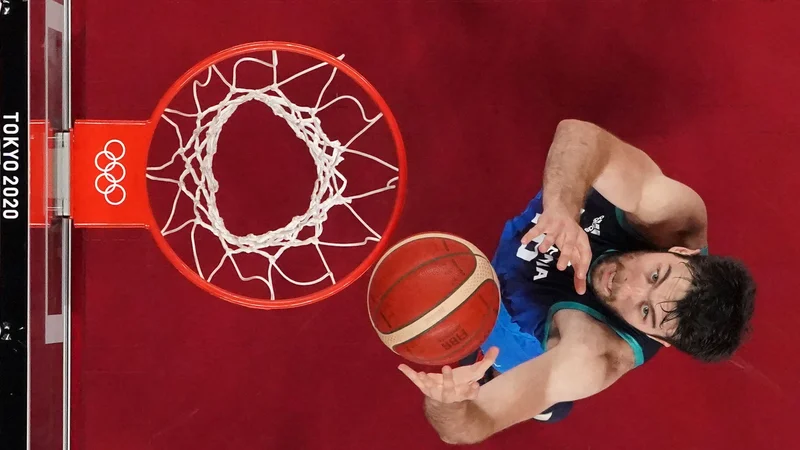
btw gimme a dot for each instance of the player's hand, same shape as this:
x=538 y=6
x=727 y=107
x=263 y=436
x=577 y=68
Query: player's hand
x=561 y=228
x=452 y=385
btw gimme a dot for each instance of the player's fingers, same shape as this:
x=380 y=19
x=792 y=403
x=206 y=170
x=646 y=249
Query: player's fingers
x=581 y=265
x=580 y=285
x=564 y=260
x=432 y=389
x=548 y=241
x=488 y=360
x=447 y=378
x=435 y=377
x=408 y=372
x=448 y=385
x=491 y=355
x=567 y=252
x=534 y=232
x=427 y=380
x=585 y=250
x=558 y=241
x=583 y=255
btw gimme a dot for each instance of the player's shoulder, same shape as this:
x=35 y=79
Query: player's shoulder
x=592 y=338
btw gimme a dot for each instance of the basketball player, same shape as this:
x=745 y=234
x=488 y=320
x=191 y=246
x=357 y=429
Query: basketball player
x=604 y=267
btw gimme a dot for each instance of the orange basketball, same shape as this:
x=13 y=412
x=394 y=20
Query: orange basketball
x=433 y=298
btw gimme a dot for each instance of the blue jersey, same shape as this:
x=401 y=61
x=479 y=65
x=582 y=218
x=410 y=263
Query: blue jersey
x=533 y=289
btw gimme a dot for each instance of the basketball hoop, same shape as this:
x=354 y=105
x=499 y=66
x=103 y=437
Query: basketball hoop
x=116 y=176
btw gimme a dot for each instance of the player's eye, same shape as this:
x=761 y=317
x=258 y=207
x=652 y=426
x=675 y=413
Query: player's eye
x=645 y=311
x=654 y=277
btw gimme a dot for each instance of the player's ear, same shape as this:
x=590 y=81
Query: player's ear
x=684 y=251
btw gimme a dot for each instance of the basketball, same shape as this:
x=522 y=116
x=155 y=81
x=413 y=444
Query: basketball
x=433 y=298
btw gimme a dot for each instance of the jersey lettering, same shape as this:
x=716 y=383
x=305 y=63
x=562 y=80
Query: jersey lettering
x=530 y=254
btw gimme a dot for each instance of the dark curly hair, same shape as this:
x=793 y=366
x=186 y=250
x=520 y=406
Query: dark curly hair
x=714 y=317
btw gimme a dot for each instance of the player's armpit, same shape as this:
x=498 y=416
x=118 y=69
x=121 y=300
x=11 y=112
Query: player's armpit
x=670 y=213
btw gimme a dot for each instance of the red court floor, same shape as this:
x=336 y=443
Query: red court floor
x=709 y=89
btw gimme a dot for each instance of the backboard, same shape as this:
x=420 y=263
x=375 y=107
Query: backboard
x=13 y=225
x=48 y=244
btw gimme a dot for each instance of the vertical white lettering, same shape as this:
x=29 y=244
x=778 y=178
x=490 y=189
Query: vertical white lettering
x=540 y=273
x=9 y=162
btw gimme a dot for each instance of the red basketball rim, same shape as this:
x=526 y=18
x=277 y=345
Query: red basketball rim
x=355 y=274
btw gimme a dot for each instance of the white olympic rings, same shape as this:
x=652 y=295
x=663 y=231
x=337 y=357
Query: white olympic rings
x=105 y=172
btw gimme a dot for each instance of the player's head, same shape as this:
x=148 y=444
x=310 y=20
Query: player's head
x=700 y=304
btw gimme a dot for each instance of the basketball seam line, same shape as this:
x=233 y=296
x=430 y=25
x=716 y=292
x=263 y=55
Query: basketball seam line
x=400 y=342
x=412 y=271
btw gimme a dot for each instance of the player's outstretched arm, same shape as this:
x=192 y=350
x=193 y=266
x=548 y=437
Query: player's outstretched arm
x=463 y=413
x=584 y=155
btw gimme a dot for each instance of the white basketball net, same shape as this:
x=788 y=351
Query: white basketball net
x=195 y=155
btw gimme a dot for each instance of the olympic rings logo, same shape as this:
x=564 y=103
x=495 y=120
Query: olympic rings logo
x=108 y=174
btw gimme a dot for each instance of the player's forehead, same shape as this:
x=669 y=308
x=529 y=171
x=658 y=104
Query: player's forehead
x=676 y=284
